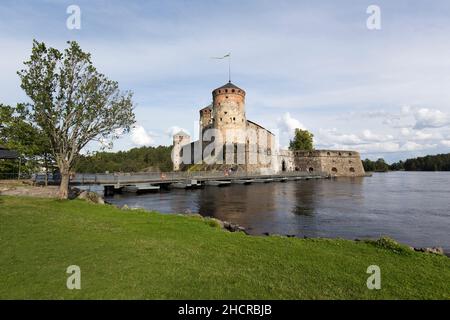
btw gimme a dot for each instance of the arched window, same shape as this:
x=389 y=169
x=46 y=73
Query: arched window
x=334 y=169
x=311 y=169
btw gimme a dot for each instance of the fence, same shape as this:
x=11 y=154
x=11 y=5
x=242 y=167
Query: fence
x=14 y=176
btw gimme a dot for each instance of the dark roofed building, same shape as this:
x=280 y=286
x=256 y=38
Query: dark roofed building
x=8 y=154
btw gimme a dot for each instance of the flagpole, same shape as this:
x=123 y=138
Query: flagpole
x=229 y=68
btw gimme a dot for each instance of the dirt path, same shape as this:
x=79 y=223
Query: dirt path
x=24 y=188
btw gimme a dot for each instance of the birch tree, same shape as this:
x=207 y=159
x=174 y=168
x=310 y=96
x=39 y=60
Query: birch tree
x=73 y=103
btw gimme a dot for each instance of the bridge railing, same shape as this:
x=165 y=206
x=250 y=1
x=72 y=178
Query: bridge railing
x=118 y=178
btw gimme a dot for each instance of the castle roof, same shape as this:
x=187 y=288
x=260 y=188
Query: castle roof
x=181 y=133
x=229 y=85
x=207 y=107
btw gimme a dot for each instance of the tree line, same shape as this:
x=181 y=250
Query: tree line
x=439 y=162
x=143 y=159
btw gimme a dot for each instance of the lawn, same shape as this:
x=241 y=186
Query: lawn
x=134 y=254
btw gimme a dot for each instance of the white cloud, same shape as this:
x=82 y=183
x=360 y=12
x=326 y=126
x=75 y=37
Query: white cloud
x=445 y=143
x=140 y=137
x=174 y=130
x=287 y=124
x=367 y=135
x=429 y=118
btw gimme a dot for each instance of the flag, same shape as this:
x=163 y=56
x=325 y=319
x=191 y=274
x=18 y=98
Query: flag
x=225 y=56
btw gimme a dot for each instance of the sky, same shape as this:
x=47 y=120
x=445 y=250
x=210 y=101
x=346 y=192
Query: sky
x=309 y=64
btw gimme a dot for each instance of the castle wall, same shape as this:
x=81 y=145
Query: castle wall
x=338 y=163
x=259 y=155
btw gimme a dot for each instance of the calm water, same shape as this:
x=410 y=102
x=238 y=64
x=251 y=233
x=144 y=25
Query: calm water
x=411 y=207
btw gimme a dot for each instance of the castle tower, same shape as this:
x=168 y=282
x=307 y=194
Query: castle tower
x=205 y=119
x=229 y=111
x=180 y=140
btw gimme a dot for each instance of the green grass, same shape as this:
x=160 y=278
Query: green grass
x=125 y=254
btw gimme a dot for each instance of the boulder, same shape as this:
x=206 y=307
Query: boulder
x=91 y=197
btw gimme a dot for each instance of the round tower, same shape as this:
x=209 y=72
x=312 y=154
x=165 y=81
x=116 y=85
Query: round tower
x=205 y=119
x=180 y=139
x=229 y=110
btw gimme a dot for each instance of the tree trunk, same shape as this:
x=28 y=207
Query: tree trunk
x=46 y=169
x=64 y=186
x=64 y=169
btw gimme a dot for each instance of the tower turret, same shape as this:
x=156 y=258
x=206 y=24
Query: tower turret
x=229 y=110
x=180 y=140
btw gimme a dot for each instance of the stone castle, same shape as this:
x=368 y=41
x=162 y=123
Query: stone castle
x=229 y=141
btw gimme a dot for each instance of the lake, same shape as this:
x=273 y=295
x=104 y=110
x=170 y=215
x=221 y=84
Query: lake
x=411 y=207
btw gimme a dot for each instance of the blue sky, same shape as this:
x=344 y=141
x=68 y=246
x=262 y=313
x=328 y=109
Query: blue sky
x=310 y=64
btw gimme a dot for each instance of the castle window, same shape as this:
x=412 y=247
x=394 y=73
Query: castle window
x=349 y=153
x=234 y=119
x=220 y=119
x=232 y=90
x=226 y=90
x=226 y=97
x=328 y=153
x=226 y=112
x=311 y=169
x=352 y=169
x=340 y=154
x=334 y=170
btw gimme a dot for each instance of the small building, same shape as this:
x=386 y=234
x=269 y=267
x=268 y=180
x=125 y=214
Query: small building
x=8 y=154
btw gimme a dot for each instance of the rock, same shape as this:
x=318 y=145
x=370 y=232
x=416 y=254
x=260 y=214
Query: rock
x=74 y=193
x=194 y=215
x=125 y=207
x=219 y=222
x=435 y=250
x=91 y=197
x=241 y=229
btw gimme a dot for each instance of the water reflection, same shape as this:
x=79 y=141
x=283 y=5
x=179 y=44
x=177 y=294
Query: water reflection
x=410 y=207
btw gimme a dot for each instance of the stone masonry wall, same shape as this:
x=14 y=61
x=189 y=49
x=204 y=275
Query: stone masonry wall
x=338 y=163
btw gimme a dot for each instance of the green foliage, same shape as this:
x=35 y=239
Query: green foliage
x=440 y=162
x=19 y=133
x=379 y=166
x=72 y=103
x=145 y=255
x=134 y=160
x=390 y=244
x=303 y=140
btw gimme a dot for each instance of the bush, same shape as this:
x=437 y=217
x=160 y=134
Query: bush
x=391 y=245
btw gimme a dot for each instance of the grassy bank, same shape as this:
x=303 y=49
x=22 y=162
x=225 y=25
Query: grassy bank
x=136 y=254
